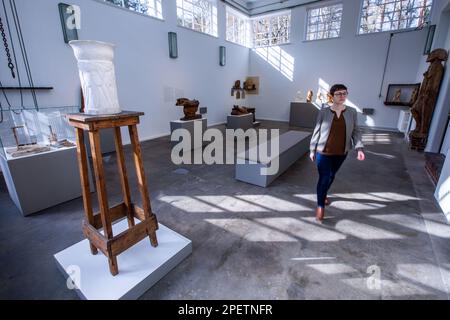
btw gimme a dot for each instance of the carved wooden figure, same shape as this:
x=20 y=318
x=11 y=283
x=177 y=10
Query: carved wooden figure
x=422 y=109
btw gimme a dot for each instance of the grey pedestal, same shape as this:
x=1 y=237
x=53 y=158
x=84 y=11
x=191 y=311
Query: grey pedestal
x=303 y=114
x=40 y=181
x=293 y=145
x=189 y=126
x=244 y=121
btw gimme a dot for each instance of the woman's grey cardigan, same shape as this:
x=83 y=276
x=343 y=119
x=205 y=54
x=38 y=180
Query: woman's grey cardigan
x=323 y=126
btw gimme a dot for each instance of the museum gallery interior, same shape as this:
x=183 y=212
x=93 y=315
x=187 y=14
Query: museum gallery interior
x=194 y=149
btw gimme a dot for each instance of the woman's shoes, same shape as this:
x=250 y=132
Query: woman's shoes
x=320 y=214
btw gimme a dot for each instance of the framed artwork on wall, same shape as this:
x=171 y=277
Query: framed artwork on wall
x=251 y=85
x=402 y=94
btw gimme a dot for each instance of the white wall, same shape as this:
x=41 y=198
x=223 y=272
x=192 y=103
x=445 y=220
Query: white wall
x=143 y=66
x=355 y=60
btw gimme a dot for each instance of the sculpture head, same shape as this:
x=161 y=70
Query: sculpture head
x=181 y=101
x=438 y=54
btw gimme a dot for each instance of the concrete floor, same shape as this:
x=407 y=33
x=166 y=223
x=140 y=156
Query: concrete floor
x=262 y=243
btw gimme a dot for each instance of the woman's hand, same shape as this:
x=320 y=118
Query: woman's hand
x=361 y=156
x=312 y=156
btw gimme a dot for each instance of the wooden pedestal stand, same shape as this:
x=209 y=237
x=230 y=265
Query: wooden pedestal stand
x=106 y=242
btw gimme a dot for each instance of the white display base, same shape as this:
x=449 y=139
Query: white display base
x=442 y=192
x=140 y=267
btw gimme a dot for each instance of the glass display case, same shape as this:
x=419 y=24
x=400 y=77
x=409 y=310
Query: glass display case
x=26 y=132
x=38 y=157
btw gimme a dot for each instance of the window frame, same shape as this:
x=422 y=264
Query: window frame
x=248 y=21
x=330 y=4
x=358 y=27
x=132 y=11
x=214 y=27
x=276 y=14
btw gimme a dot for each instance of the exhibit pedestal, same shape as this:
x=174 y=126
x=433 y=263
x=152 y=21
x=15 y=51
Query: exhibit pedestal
x=303 y=114
x=141 y=266
x=442 y=192
x=193 y=127
x=243 y=121
x=55 y=179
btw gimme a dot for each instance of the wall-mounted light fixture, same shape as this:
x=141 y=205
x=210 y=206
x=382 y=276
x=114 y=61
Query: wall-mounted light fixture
x=173 y=47
x=429 y=42
x=222 y=55
x=70 y=21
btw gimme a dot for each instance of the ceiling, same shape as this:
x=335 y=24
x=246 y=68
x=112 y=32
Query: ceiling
x=254 y=7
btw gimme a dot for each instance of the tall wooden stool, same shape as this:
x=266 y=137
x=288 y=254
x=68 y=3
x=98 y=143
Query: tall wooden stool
x=111 y=245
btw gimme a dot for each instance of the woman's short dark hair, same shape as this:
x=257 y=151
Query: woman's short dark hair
x=337 y=87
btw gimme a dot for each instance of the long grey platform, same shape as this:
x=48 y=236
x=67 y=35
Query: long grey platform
x=140 y=267
x=292 y=146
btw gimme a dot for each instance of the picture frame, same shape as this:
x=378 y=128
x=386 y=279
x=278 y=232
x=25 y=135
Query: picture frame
x=402 y=94
x=66 y=12
x=251 y=85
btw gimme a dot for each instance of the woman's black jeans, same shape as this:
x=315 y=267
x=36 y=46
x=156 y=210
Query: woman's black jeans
x=327 y=165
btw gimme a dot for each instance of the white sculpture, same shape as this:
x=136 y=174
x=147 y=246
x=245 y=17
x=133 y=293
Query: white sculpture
x=97 y=76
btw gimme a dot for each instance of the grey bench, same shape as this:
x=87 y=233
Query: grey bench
x=293 y=145
x=243 y=121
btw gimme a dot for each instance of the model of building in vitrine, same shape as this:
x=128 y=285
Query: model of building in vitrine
x=38 y=157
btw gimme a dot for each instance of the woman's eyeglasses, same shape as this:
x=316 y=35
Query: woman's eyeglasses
x=341 y=94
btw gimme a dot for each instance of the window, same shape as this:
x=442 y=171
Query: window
x=324 y=22
x=387 y=15
x=272 y=30
x=151 y=7
x=238 y=28
x=199 y=15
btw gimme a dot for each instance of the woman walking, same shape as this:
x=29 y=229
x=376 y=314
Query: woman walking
x=335 y=132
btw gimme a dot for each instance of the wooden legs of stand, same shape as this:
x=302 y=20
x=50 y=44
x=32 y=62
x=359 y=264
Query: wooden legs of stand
x=111 y=246
x=85 y=188
x=142 y=182
x=123 y=176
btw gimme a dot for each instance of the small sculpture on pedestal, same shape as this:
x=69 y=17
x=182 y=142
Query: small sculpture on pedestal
x=237 y=111
x=190 y=108
x=237 y=91
x=329 y=98
x=309 y=96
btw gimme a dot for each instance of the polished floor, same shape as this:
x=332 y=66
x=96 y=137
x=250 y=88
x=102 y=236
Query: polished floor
x=384 y=236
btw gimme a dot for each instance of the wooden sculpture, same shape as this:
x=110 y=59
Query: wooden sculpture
x=190 y=108
x=237 y=111
x=309 y=96
x=422 y=109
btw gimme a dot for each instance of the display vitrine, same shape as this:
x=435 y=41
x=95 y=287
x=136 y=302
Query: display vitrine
x=38 y=157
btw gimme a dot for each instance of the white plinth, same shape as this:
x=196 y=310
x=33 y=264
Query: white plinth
x=442 y=192
x=140 y=267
